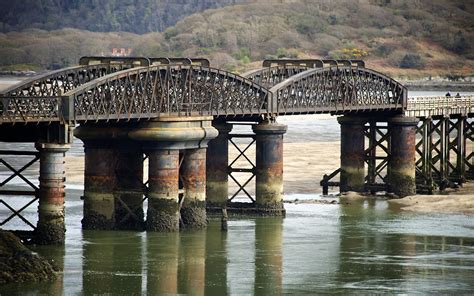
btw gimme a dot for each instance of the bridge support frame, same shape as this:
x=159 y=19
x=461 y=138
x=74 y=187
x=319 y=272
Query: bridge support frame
x=401 y=177
x=352 y=153
x=193 y=177
x=51 y=225
x=129 y=189
x=269 y=167
x=99 y=184
x=163 y=190
x=217 y=162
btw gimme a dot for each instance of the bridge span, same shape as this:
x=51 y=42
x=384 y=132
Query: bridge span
x=178 y=114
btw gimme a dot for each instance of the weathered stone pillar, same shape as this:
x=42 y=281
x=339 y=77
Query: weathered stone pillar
x=51 y=228
x=163 y=184
x=217 y=186
x=193 y=175
x=129 y=189
x=269 y=167
x=99 y=184
x=402 y=155
x=352 y=154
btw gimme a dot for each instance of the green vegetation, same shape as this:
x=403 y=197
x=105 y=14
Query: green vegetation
x=137 y=16
x=412 y=60
x=432 y=37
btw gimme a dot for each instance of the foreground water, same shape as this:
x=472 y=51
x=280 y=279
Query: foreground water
x=365 y=247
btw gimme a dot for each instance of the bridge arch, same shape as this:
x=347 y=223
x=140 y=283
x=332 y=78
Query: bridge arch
x=168 y=90
x=60 y=81
x=338 y=90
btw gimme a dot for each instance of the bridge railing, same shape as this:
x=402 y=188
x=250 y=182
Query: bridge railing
x=439 y=106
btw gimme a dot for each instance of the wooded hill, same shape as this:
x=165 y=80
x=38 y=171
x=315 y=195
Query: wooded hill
x=136 y=16
x=403 y=37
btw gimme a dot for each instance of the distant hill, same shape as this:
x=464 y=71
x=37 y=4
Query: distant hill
x=400 y=37
x=136 y=16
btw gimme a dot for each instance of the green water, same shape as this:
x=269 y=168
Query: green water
x=341 y=249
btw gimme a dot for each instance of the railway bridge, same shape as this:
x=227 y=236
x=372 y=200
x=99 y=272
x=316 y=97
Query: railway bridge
x=178 y=114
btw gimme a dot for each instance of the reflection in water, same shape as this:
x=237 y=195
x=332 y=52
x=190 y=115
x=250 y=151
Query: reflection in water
x=374 y=259
x=112 y=262
x=216 y=260
x=363 y=248
x=317 y=249
x=162 y=263
x=191 y=271
x=268 y=256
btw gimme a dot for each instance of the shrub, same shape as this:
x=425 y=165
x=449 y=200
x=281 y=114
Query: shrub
x=412 y=60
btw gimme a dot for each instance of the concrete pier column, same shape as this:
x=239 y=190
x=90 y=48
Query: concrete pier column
x=269 y=167
x=402 y=155
x=217 y=186
x=352 y=154
x=163 y=182
x=51 y=228
x=193 y=176
x=129 y=190
x=99 y=185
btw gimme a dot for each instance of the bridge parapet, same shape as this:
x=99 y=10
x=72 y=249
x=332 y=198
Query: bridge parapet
x=439 y=106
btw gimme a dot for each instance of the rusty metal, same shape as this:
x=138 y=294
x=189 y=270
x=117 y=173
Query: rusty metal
x=193 y=176
x=269 y=167
x=58 y=82
x=217 y=162
x=338 y=90
x=249 y=170
x=163 y=190
x=129 y=190
x=185 y=90
x=377 y=155
x=51 y=226
x=126 y=61
x=352 y=153
x=401 y=177
x=183 y=61
x=442 y=156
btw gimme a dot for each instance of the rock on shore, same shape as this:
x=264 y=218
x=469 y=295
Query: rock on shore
x=19 y=264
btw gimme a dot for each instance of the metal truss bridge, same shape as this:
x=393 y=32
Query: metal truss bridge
x=141 y=89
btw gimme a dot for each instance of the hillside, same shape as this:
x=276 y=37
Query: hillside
x=404 y=38
x=136 y=16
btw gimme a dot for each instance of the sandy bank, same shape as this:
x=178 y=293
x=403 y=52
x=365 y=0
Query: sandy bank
x=460 y=201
